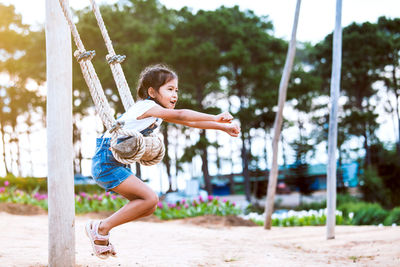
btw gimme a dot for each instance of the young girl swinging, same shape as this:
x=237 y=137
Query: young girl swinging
x=157 y=95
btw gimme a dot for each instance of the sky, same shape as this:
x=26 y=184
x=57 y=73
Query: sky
x=317 y=17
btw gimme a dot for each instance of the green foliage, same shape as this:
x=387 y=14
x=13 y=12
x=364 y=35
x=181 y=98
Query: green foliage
x=300 y=218
x=364 y=213
x=394 y=217
x=386 y=161
x=85 y=203
x=183 y=209
x=365 y=54
x=29 y=184
x=350 y=211
x=340 y=200
x=13 y=195
x=311 y=206
x=380 y=182
x=373 y=187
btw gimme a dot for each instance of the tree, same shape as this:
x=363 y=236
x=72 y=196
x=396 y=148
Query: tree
x=388 y=32
x=196 y=59
x=251 y=58
x=16 y=42
x=380 y=182
x=362 y=61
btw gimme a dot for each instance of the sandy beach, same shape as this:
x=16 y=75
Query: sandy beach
x=205 y=242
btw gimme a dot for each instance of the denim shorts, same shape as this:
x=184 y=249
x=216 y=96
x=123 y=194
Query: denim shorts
x=106 y=170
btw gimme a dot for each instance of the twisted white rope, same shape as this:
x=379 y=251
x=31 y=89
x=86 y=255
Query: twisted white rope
x=93 y=82
x=102 y=106
x=115 y=65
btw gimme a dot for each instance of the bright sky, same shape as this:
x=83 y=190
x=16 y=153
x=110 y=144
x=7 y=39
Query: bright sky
x=316 y=16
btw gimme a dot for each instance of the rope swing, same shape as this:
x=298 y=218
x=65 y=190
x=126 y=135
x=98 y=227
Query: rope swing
x=148 y=150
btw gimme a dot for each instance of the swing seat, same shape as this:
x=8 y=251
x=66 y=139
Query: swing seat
x=131 y=148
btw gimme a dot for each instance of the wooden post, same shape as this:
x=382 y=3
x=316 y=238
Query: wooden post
x=59 y=138
x=273 y=174
x=332 y=138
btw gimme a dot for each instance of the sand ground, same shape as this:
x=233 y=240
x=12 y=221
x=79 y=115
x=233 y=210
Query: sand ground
x=179 y=243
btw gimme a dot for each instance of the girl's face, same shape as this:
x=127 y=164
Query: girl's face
x=167 y=95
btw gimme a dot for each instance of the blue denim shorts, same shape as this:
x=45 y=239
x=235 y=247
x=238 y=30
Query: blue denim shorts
x=106 y=170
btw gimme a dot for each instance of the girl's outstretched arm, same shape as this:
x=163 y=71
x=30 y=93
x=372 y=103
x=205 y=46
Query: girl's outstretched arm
x=185 y=115
x=230 y=128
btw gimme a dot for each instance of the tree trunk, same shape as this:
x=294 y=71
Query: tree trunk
x=396 y=109
x=231 y=180
x=245 y=164
x=218 y=160
x=273 y=176
x=265 y=149
x=77 y=142
x=366 y=147
x=204 y=153
x=18 y=160
x=283 y=152
x=166 y=159
x=176 y=160
x=4 y=148
x=28 y=134
x=15 y=157
x=204 y=166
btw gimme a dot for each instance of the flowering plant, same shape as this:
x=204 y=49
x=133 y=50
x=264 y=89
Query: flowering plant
x=196 y=207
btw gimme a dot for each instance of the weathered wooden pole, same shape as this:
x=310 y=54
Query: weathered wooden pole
x=332 y=138
x=273 y=175
x=59 y=138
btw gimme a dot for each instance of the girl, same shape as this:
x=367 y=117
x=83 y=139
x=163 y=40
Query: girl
x=157 y=96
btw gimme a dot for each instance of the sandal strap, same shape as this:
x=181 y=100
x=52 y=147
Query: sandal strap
x=97 y=236
x=111 y=248
x=100 y=249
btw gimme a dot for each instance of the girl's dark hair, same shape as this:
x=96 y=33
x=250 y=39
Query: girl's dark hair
x=154 y=76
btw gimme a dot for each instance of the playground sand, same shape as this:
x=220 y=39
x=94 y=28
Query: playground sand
x=205 y=242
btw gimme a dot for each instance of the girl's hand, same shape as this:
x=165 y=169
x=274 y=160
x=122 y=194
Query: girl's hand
x=224 y=117
x=232 y=130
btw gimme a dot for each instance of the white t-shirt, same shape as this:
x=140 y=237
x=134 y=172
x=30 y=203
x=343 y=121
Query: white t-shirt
x=138 y=109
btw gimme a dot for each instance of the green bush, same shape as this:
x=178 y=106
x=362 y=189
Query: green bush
x=394 y=217
x=88 y=188
x=364 y=213
x=373 y=187
x=183 y=209
x=311 y=206
x=29 y=184
x=340 y=199
x=85 y=202
x=383 y=184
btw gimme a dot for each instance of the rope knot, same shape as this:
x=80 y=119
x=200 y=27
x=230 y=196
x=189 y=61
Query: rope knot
x=112 y=59
x=117 y=125
x=84 y=55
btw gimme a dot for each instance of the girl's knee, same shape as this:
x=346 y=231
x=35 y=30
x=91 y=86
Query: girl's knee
x=153 y=209
x=153 y=200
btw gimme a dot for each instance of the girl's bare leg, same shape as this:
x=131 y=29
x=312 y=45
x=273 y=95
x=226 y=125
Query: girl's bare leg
x=143 y=202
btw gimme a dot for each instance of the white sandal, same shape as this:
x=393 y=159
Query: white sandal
x=101 y=251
